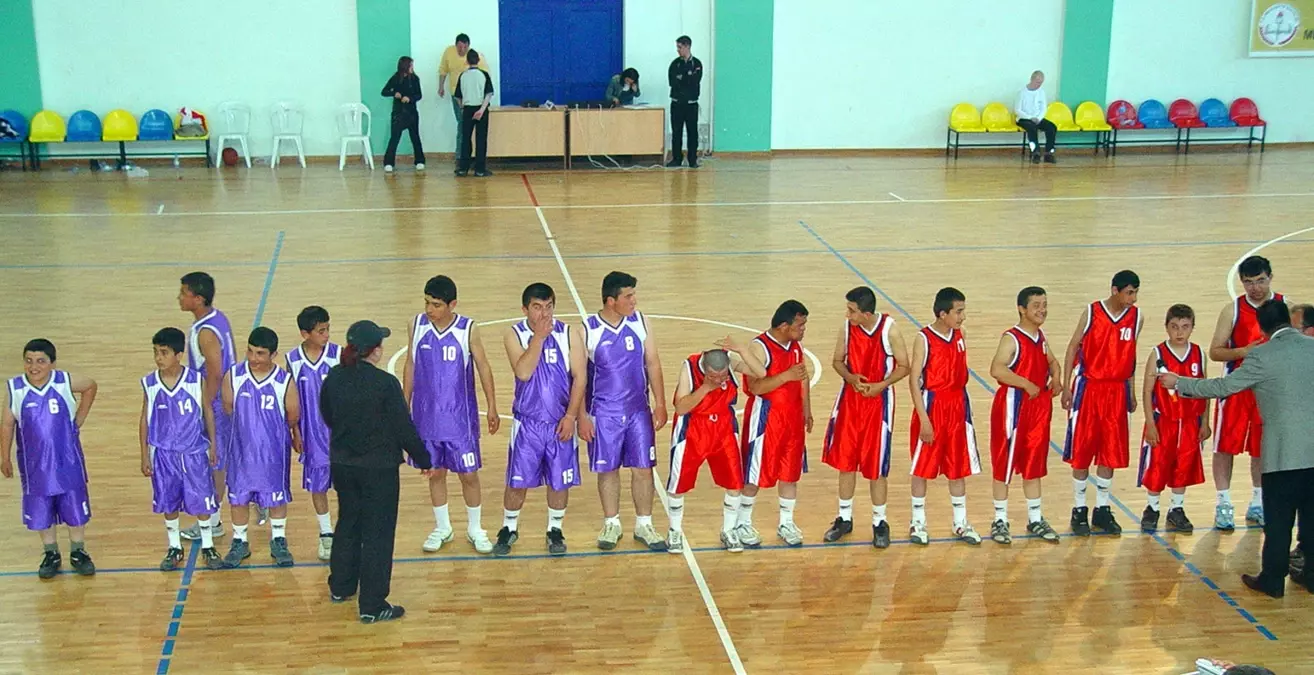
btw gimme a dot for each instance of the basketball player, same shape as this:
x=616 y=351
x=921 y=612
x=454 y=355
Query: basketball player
x=549 y=363
x=1175 y=426
x=42 y=413
x=1029 y=377
x=266 y=412
x=870 y=357
x=777 y=416
x=943 y=439
x=177 y=447
x=1239 y=428
x=704 y=432
x=210 y=352
x=1099 y=395
x=309 y=363
x=444 y=351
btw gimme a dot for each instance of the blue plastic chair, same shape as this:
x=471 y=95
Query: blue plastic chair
x=1154 y=115
x=155 y=125
x=19 y=124
x=1214 y=113
x=83 y=127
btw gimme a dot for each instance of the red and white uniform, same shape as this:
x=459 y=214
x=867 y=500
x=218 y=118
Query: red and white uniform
x=773 y=437
x=861 y=427
x=1238 y=428
x=1101 y=390
x=952 y=452
x=1175 y=462
x=706 y=434
x=1019 y=425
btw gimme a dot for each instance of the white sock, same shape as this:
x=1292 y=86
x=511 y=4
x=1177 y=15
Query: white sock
x=614 y=520
x=1152 y=500
x=207 y=531
x=1033 y=511
x=217 y=519
x=675 y=511
x=325 y=524
x=171 y=528
x=846 y=509
x=474 y=516
x=919 y=510
x=746 y=510
x=277 y=528
x=1224 y=497
x=1102 y=486
x=239 y=532
x=1001 y=510
x=641 y=521
x=1257 y=497
x=1179 y=500
x=877 y=514
x=511 y=519
x=730 y=512
x=960 y=510
x=1079 y=492
x=441 y=518
x=556 y=517
x=787 y=511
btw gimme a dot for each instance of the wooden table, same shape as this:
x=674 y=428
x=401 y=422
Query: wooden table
x=526 y=132
x=618 y=131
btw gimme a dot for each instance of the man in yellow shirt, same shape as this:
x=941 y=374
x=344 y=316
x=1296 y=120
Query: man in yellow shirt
x=449 y=69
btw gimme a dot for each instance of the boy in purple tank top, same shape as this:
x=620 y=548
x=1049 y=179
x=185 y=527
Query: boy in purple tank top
x=41 y=411
x=309 y=363
x=177 y=447
x=263 y=401
x=442 y=355
x=619 y=426
x=549 y=364
x=211 y=352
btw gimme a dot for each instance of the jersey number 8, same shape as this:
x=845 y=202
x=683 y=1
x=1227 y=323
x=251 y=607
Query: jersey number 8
x=629 y=343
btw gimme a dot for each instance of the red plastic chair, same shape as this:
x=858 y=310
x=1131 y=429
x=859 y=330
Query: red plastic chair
x=1246 y=114
x=1122 y=115
x=1184 y=115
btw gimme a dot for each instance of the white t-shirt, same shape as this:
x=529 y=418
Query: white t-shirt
x=1031 y=104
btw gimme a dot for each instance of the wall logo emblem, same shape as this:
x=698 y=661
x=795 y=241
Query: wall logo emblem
x=1279 y=25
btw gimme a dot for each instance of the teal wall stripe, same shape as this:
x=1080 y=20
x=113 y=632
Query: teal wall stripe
x=383 y=31
x=20 y=78
x=1087 y=32
x=742 y=95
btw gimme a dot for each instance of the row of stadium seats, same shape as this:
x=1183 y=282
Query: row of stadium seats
x=84 y=126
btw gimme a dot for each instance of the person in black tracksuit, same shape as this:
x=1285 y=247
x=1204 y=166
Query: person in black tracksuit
x=404 y=90
x=685 y=75
x=369 y=427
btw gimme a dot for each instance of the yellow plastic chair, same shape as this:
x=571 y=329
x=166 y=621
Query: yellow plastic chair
x=965 y=119
x=1090 y=117
x=119 y=126
x=47 y=127
x=1061 y=116
x=997 y=117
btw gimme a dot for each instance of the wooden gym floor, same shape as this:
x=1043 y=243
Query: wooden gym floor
x=92 y=262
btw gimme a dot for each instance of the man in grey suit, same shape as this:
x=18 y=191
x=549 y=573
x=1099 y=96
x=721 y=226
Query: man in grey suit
x=1281 y=373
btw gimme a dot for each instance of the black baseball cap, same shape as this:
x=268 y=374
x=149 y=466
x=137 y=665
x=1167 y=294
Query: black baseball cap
x=366 y=335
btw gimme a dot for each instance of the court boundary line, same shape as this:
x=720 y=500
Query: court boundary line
x=1170 y=548
x=699 y=580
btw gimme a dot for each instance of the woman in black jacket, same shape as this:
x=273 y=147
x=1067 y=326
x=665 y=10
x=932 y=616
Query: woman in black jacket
x=404 y=90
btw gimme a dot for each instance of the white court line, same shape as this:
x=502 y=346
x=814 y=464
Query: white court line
x=159 y=210
x=896 y=196
x=1232 y=290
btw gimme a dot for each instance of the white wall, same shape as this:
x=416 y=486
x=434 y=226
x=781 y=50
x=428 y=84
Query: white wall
x=143 y=54
x=1196 y=49
x=887 y=73
x=651 y=27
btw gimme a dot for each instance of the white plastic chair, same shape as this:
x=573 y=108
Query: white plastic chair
x=235 y=119
x=354 y=123
x=287 y=119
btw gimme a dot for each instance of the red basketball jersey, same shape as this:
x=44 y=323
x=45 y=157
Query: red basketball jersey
x=1031 y=360
x=1245 y=327
x=869 y=354
x=1167 y=403
x=720 y=401
x=946 y=361
x=788 y=397
x=1108 y=350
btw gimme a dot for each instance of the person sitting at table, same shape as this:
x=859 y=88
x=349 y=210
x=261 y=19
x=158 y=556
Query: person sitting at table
x=624 y=88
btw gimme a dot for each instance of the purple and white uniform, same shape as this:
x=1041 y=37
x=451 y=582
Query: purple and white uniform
x=216 y=322
x=260 y=464
x=51 y=467
x=536 y=456
x=617 y=397
x=443 y=403
x=179 y=446
x=309 y=376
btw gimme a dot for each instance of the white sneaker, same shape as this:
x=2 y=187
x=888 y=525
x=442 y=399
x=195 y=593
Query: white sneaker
x=436 y=540
x=325 y=546
x=479 y=539
x=748 y=535
x=918 y=534
x=967 y=534
x=730 y=540
x=790 y=534
x=674 y=541
x=646 y=535
x=609 y=536
x=419 y=167
x=387 y=168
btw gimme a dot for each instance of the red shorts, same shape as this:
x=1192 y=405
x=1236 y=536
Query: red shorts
x=1019 y=434
x=696 y=439
x=1238 y=428
x=1175 y=462
x=859 y=434
x=773 y=444
x=1097 y=424
x=952 y=451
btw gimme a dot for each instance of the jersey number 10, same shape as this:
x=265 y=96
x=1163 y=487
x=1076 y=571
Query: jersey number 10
x=449 y=352
x=1125 y=334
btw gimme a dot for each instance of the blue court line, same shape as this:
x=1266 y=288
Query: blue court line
x=171 y=635
x=1123 y=507
x=269 y=279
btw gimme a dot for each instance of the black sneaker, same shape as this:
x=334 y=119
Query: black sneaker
x=339 y=599
x=880 y=535
x=1104 y=520
x=50 y=565
x=837 y=530
x=213 y=561
x=1080 y=526
x=1049 y=158
x=462 y=173
x=485 y=173
x=173 y=558
x=1035 y=157
x=674 y=164
x=388 y=614
x=1149 y=519
x=81 y=563
x=1178 y=521
x=505 y=538
x=556 y=542
x=693 y=164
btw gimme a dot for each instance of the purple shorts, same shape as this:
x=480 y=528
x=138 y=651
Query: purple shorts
x=316 y=479
x=223 y=435
x=453 y=455
x=537 y=458
x=264 y=499
x=622 y=442
x=182 y=482
x=42 y=512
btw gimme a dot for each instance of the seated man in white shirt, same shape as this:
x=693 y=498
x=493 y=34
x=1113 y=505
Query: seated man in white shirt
x=1030 y=111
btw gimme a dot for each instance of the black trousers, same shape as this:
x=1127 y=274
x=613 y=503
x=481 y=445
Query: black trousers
x=684 y=118
x=1286 y=493
x=362 y=542
x=402 y=123
x=1044 y=125
x=479 y=129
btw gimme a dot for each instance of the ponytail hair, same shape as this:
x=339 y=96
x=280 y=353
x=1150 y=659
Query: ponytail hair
x=350 y=355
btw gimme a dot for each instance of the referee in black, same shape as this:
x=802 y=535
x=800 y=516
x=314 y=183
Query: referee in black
x=369 y=427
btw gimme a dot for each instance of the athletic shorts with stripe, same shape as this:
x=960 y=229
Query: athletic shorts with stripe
x=1097 y=424
x=952 y=452
x=860 y=432
x=1019 y=434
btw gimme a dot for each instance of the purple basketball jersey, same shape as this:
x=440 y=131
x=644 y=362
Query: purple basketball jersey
x=309 y=376
x=443 y=402
x=50 y=460
x=218 y=323
x=175 y=421
x=261 y=457
x=618 y=382
x=546 y=395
